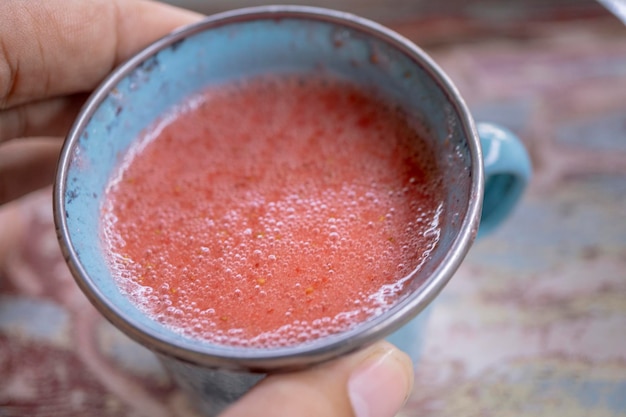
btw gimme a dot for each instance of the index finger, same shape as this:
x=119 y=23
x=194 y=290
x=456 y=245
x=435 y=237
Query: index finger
x=58 y=47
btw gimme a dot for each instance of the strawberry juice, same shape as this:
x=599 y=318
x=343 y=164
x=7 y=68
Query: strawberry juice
x=273 y=211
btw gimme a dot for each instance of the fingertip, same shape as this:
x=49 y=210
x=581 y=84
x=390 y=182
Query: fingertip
x=373 y=382
x=382 y=383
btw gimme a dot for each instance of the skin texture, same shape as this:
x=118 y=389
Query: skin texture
x=52 y=54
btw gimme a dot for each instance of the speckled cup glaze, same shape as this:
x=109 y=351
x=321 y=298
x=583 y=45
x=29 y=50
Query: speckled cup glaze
x=275 y=39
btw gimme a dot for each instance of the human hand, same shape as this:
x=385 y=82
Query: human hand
x=53 y=53
x=374 y=382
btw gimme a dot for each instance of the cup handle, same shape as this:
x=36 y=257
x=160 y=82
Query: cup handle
x=507 y=172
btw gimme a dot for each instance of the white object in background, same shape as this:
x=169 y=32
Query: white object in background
x=617 y=7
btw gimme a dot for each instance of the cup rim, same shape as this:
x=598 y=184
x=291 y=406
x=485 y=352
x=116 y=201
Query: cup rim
x=298 y=356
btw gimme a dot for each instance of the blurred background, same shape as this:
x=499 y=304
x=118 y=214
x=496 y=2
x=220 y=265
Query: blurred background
x=402 y=10
x=436 y=22
x=534 y=322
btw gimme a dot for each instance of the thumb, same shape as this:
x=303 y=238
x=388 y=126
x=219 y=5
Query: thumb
x=374 y=382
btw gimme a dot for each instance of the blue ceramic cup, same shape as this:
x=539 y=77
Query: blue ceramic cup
x=279 y=39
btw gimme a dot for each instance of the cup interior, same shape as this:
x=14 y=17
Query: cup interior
x=244 y=44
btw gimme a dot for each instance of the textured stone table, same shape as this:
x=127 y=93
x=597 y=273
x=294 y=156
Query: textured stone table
x=533 y=324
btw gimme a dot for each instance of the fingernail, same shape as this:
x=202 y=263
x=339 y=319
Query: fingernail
x=381 y=385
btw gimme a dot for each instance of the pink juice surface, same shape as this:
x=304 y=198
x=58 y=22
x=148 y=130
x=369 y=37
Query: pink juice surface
x=272 y=211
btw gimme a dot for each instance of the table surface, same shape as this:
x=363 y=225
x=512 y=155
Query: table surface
x=533 y=323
